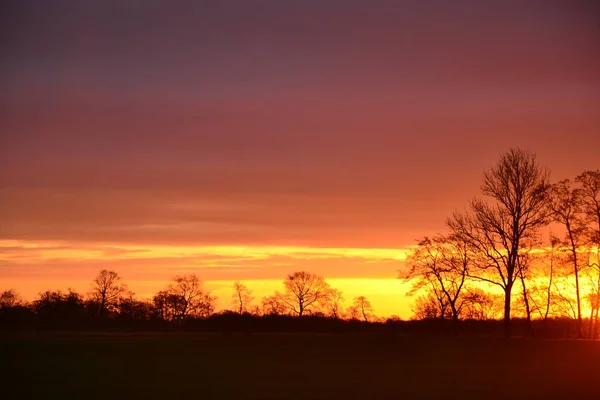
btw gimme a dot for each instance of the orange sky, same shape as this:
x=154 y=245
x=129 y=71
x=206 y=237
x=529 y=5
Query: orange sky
x=247 y=141
x=147 y=269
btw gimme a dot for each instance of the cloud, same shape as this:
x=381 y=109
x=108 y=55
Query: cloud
x=305 y=134
x=193 y=217
x=211 y=262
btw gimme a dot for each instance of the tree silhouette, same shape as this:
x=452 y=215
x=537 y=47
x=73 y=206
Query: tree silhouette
x=184 y=297
x=10 y=298
x=106 y=290
x=304 y=291
x=334 y=302
x=440 y=264
x=58 y=309
x=131 y=309
x=428 y=306
x=273 y=305
x=589 y=195
x=524 y=267
x=165 y=305
x=566 y=209
x=497 y=231
x=362 y=308
x=542 y=291
x=482 y=305
x=242 y=297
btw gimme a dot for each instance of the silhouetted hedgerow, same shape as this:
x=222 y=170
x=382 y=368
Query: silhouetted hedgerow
x=68 y=312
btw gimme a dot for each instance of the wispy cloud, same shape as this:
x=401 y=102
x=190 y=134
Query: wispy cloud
x=216 y=261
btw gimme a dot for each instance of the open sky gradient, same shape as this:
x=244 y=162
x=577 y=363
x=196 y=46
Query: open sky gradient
x=249 y=139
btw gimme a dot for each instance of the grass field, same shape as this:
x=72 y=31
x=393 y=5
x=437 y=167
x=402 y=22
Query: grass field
x=297 y=367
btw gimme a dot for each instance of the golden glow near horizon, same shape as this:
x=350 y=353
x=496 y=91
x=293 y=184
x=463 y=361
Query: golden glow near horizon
x=35 y=266
x=386 y=295
x=147 y=269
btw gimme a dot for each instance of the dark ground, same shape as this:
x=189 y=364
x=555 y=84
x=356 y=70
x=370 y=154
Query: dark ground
x=288 y=366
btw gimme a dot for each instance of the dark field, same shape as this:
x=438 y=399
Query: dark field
x=297 y=367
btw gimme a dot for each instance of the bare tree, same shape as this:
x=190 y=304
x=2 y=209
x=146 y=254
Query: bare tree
x=590 y=275
x=206 y=305
x=363 y=308
x=563 y=303
x=441 y=264
x=107 y=288
x=165 y=305
x=428 y=306
x=497 y=230
x=273 y=305
x=242 y=297
x=304 y=291
x=589 y=194
x=188 y=298
x=525 y=264
x=132 y=309
x=334 y=302
x=255 y=310
x=565 y=206
x=541 y=291
x=482 y=305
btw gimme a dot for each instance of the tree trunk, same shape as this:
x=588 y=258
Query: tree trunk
x=507 y=296
x=596 y=324
x=576 y=271
x=362 y=310
x=452 y=302
x=527 y=307
x=549 y=292
x=102 y=306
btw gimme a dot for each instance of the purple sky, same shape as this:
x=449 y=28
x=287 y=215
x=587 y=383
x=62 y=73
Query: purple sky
x=312 y=123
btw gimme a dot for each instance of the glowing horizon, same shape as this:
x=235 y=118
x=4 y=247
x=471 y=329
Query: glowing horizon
x=222 y=264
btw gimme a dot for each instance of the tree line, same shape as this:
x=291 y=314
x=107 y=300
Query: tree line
x=182 y=302
x=306 y=304
x=527 y=247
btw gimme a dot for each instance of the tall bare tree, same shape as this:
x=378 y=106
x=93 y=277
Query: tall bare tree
x=496 y=230
x=304 y=291
x=592 y=276
x=242 y=297
x=363 y=308
x=589 y=194
x=441 y=265
x=590 y=200
x=566 y=209
x=107 y=288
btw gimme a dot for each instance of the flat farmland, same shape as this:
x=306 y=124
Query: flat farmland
x=294 y=366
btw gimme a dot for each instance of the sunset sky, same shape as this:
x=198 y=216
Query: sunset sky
x=244 y=140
